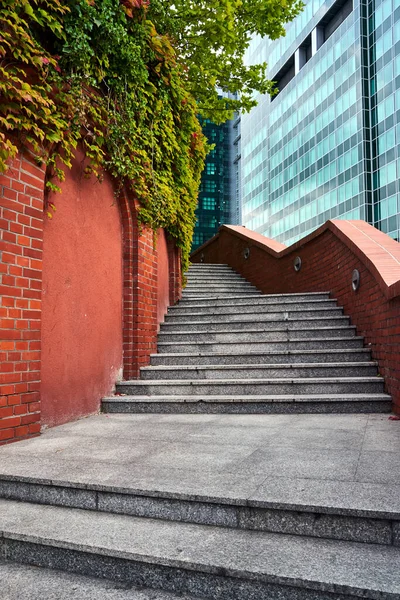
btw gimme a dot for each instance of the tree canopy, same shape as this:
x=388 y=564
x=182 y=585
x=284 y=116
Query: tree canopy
x=210 y=38
x=127 y=80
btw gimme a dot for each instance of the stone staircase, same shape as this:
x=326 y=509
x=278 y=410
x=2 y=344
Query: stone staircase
x=226 y=348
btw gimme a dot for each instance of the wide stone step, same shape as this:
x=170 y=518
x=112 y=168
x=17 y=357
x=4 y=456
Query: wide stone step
x=358 y=512
x=23 y=581
x=250 y=387
x=316 y=343
x=249 y=405
x=244 y=371
x=188 y=558
x=191 y=277
x=256 y=304
x=243 y=299
x=259 y=334
x=216 y=285
x=237 y=288
x=260 y=358
x=262 y=313
x=206 y=294
x=276 y=323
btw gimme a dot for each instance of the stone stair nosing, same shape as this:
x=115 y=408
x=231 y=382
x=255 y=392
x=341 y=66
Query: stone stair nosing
x=202 y=560
x=257 y=358
x=371 y=516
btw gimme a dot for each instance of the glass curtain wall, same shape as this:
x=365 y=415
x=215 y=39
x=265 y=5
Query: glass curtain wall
x=326 y=146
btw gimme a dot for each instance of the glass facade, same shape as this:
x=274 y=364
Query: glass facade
x=327 y=145
x=218 y=198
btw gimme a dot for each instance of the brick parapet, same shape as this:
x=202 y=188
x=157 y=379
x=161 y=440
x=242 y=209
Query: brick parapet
x=329 y=256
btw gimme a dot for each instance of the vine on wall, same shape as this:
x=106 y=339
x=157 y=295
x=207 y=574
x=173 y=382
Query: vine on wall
x=97 y=72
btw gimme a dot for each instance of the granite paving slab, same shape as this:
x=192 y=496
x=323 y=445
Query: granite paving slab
x=303 y=460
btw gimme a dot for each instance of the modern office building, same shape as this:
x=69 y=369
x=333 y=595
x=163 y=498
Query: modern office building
x=327 y=145
x=219 y=197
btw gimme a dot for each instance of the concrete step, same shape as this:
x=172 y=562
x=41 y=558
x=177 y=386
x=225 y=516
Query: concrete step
x=188 y=558
x=251 y=387
x=218 y=289
x=205 y=294
x=260 y=358
x=259 y=314
x=276 y=323
x=34 y=583
x=358 y=512
x=244 y=371
x=316 y=343
x=241 y=299
x=257 y=333
x=215 y=277
x=209 y=269
x=236 y=282
x=256 y=304
x=249 y=405
x=208 y=266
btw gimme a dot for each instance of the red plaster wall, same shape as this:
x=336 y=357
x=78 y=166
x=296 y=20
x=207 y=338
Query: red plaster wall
x=82 y=299
x=329 y=256
x=162 y=276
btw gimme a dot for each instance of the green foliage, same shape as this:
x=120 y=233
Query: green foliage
x=100 y=73
x=211 y=37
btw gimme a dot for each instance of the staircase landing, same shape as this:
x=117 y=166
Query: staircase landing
x=321 y=487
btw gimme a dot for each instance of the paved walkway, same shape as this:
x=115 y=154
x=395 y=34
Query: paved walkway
x=333 y=460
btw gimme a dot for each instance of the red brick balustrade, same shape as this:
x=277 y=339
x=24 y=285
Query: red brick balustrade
x=329 y=255
x=21 y=249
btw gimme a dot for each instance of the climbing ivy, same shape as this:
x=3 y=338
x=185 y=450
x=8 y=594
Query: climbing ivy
x=97 y=72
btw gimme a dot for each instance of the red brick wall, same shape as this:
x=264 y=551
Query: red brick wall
x=21 y=247
x=21 y=242
x=329 y=257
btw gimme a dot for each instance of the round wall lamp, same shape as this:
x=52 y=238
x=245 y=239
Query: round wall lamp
x=297 y=264
x=355 y=280
x=246 y=253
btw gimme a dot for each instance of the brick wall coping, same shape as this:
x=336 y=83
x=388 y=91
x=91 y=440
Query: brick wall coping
x=377 y=251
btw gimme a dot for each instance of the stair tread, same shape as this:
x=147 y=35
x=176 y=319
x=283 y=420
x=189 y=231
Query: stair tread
x=279 y=352
x=35 y=583
x=268 y=342
x=256 y=330
x=326 y=565
x=255 y=367
x=246 y=320
x=347 y=498
x=249 y=398
x=196 y=382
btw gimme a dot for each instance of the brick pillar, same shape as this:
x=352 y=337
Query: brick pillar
x=145 y=324
x=21 y=247
x=175 y=272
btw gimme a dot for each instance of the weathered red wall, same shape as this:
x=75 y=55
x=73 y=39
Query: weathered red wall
x=82 y=298
x=329 y=256
x=162 y=276
x=106 y=286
